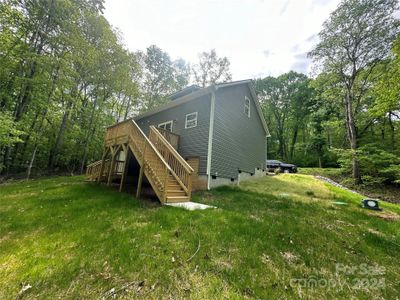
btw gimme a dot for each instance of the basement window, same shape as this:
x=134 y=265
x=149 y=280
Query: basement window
x=247 y=106
x=191 y=120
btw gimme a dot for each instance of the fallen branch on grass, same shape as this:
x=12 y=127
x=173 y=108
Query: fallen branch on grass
x=113 y=291
x=194 y=254
x=198 y=245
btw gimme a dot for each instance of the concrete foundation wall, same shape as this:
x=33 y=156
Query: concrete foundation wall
x=221 y=181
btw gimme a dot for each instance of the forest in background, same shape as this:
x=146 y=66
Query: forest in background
x=66 y=75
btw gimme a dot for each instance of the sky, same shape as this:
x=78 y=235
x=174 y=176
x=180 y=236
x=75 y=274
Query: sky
x=259 y=37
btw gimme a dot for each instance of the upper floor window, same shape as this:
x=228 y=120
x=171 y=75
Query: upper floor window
x=166 y=125
x=247 y=106
x=191 y=120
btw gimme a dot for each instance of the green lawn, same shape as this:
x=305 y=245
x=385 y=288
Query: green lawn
x=72 y=239
x=390 y=193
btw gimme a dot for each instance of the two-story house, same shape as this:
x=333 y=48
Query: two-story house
x=202 y=138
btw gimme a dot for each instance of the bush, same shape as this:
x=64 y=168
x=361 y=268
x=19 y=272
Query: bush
x=377 y=166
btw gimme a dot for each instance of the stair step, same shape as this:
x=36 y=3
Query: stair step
x=174 y=184
x=177 y=199
x=175 y=193
x=169 y=187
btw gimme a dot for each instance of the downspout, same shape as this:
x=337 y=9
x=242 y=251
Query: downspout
x=210 y=137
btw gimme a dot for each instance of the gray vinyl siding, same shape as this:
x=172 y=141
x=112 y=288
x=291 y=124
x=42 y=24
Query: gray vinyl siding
x=193 y=141
x=238 y=142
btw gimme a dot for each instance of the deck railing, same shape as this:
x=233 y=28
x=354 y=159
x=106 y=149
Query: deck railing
x=181 y=170
x=155 y=167
x=93 y=170
x=172 y=138
x=158 y=158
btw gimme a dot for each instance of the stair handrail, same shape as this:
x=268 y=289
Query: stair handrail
x=162 y=176
x=171 y=137
x=151 y=145
x=93 y=169
x=156 y=165
x=172 y=149
x=174 y=160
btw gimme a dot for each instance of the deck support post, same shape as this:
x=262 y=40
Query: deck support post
x=142 y=164
x=103 y=160
x=125 y=170
x=139 y=185
x=114 y=151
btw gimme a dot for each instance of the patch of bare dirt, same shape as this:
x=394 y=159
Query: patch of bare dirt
x=388 y=216
x=289 y=257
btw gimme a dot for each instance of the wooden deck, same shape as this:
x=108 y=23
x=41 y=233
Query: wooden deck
x=168 y=173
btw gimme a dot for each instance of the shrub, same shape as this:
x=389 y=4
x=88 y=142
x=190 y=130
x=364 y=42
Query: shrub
x=377 y=165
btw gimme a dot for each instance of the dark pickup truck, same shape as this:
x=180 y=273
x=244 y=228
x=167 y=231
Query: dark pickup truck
x=272 y=165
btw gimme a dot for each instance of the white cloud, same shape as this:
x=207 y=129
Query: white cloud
x=260 y=37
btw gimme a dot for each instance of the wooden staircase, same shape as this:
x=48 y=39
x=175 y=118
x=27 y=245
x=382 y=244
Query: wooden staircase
x=168 y=173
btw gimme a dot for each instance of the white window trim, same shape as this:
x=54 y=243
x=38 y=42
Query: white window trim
x=195 y=120
x=247 y=103
x=165 y=123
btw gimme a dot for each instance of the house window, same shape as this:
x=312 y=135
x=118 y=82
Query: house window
x=166 y=125
x=191 y=120
x=247 y=106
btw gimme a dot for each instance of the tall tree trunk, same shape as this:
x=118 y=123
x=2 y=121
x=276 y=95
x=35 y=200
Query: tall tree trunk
x=281 y=149
x=91 y=130
x=28 y=173
x=294 y=140
x=18 y=155
x=25 y=96
x=6 y=160
x=54 y=151
x=329 y=132
x=352 y=137
x=127 y=108
x=383 y=129
x=392 y=131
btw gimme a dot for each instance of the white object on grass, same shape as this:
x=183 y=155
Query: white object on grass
x=190 y=205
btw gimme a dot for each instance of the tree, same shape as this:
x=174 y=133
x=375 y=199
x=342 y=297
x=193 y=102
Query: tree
x=65 y=77
x=211 y=69
x=161 y=76
x=356 y=37
x=387 y=92
x=286 y=103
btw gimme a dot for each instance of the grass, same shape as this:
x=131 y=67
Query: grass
x=70 y=239
x=334 y=173
x=386 y=192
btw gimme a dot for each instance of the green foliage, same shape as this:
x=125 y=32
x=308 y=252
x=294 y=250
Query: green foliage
x=211 y=69
x=377 y=165
x=9 y=134
x=66 y=75
x=286 y=102
x=355 y=39
x=351 y=103
x=160 y=77
x=386 y=89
